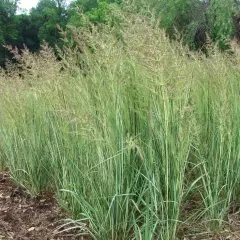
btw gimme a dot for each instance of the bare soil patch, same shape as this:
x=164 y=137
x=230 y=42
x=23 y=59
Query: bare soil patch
x=199 y=229
x=25 y=218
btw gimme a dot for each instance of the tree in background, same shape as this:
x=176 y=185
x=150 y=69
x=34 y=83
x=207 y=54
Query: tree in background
x=190 y=20
x=8 y=32
x=46 y=18
x=97 y=11
x=31 y=30
x=220 y=20
x=195 y=19
x=27 y=33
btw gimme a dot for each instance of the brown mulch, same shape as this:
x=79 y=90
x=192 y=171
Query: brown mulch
x=199 y=230
x=25 y=218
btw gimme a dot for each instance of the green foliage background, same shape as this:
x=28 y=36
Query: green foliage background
x=191 y=21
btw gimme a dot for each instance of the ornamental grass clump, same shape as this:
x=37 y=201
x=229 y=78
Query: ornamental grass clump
x=127 y=129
